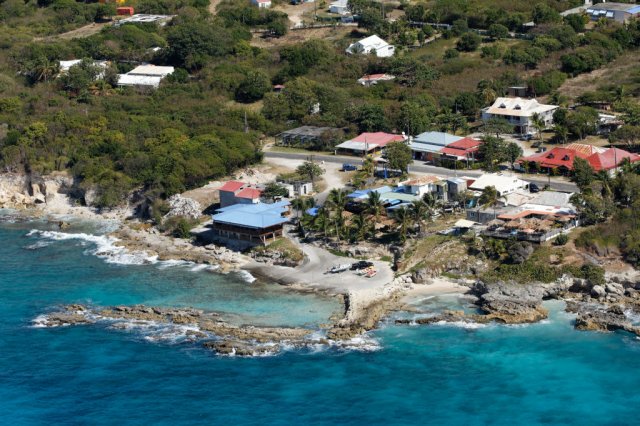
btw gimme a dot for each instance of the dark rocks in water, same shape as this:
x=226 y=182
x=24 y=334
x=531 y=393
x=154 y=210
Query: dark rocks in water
x=243 y=340
x=599 y=318
x=240 y=348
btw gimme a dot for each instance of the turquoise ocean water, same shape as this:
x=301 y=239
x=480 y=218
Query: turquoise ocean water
x=545 y=373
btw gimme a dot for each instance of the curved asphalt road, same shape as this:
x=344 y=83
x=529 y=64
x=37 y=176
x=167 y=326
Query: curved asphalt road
x=420 y=167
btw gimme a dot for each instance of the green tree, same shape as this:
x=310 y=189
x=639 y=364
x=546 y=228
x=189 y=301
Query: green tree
x=420 y=212
x=469 y=42
x=310 y=170
x=274 y=190
x=498 y=31
x=253 y=88
x=490 y=197
x=583 y=121
x=402 y=216
x=492 y=151
x=513 y=151
x=43 y=69
x=337 y=200
x=375 y=206
x=538 y=123
x=583 y=174
x=399 y=156
x=497 y=126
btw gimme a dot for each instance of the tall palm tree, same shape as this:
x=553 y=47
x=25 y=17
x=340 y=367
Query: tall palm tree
x=420 y=213
x=491 y=198
x=337 y=201
x=561 y=132
x=375 y=205
x=322 y=221
x=403 y=217
x=360 y=228
x=538 y=123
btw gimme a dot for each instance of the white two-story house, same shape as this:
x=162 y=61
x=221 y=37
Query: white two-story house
x=520 y=113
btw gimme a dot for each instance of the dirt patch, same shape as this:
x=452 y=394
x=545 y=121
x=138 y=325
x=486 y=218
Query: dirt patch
x=82 y=32
x=299 y=36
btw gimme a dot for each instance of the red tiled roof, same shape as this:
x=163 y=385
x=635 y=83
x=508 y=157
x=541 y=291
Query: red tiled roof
x=557 y=157
x=526 y=213
x=466 y=143
x=564 y=157
x=610 y=159
x=378 y=138
x=249 y=193
x=232 y=186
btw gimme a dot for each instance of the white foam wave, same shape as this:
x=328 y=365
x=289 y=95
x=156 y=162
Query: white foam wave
x=461 y=324
x=246 y=276
x=41 y=321
x=105 y=247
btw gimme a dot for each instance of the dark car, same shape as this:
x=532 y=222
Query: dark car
x=362 y=264
x=533 y=188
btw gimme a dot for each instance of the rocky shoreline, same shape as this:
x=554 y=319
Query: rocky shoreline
x=205 y=328
x=597 y=307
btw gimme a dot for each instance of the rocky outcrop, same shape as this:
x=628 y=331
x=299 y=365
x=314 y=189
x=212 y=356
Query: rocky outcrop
x=183 y=207
x=228 y=338
x=510 y=303
x=150 y=241
x=601 y=318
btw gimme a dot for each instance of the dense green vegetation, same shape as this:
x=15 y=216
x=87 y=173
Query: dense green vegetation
x=193 y=127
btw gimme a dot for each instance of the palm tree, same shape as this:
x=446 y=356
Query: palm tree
x=420 y=212
x=403 y=217
x=375 y=205
x=430 y=200
x=491 y=198
x=323 y=221
x=44 y=69
x=538 y=123
x=337 y=200
x=619 y=94
x=360 y=228
x=368 y=166
x=562 y=133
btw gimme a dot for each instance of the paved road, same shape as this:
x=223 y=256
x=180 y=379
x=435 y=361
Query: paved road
x=420 y=167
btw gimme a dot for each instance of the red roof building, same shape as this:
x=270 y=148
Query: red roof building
x=236 y=192
x=611 y=159
x=249 y=194
x=463 y=149
x=599 y=159
x=379 y=138
x=232 y=186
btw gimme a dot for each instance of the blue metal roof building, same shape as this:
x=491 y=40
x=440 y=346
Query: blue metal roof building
x=254 y=216
x=252 y=223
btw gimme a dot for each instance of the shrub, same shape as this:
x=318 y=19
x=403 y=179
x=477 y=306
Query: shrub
x=561 y=240
x=469 y=42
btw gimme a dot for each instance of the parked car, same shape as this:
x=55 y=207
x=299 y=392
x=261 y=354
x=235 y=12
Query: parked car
x=533 y=188
x=347 y=167
x=362 y=264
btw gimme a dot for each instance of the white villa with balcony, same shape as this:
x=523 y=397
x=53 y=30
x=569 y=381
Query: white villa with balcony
x=520 y=112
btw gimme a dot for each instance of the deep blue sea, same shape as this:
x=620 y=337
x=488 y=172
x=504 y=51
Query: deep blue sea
x=545 y=373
